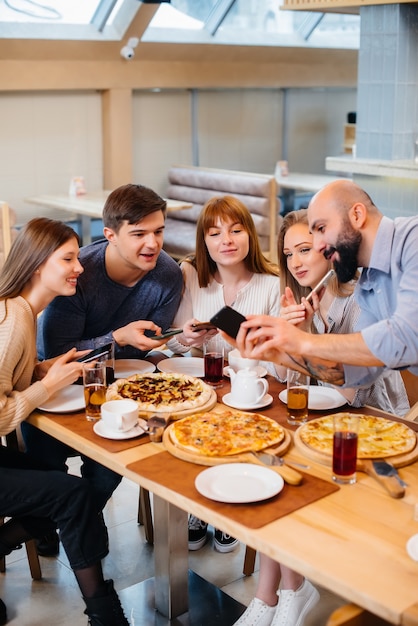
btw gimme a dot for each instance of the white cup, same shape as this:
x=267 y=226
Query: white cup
x=120 y=415
x=237 y=362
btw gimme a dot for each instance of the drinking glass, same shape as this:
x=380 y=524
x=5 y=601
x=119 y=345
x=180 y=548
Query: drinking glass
x=213 y=353
x=344 y=449
x=297 y=397
x=94 y=379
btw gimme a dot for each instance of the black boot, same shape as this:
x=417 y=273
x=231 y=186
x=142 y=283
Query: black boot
x=107 y=610
x=3 y=613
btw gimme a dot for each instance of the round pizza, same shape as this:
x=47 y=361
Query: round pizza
x=225 y=433
x=378 y=437
x=162 y=392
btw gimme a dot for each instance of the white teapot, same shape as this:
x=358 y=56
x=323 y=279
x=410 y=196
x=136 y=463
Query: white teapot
x=247 y=388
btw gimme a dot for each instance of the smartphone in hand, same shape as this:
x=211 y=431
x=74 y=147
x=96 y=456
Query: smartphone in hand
x=96 y=353
x=203 y=326
x=322 y=283
x=168 y=334
x=228 y=320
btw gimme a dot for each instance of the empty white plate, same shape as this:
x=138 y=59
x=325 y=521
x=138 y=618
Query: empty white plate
x=129 y=367
x=66 y=400
x=320 y=398
x=239 y=482
x=191 y=365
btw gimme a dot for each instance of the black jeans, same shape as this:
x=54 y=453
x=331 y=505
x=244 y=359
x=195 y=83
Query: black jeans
x=43 y=499
x=42 y=446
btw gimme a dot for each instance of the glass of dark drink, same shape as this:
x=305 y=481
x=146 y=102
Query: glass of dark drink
x=344 y=449
x=297 y=397
x=213 y=352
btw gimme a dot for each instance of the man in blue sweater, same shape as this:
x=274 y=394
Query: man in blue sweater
x=130 y=288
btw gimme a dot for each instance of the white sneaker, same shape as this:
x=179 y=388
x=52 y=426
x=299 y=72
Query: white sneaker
x=258 y=613
x=295 y=605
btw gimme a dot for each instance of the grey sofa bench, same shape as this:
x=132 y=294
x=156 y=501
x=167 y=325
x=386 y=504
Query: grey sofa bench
x=198 y=184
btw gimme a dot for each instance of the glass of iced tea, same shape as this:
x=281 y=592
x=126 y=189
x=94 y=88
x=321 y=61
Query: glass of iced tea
x=297 y=397
x=344 y=448
x=213 y=353
x=94 y=379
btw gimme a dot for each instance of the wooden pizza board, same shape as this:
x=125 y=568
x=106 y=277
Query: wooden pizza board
x=398 y=460
x=246 y=457
x=213 y=399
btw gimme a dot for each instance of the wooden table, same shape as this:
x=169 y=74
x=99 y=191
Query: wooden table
x=294 y=182
x=88 y=206
x=351 y=542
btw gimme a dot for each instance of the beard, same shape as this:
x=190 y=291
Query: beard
x=347 y=247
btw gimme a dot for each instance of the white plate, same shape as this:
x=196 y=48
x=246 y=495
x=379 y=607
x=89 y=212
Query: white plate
x=128 y=367
x=261 y=371
x=265 y=401
x=412 y=547
x=66 y=400
x=238 y=482
x=193 y=366
x=320 y=398
x=100 y=429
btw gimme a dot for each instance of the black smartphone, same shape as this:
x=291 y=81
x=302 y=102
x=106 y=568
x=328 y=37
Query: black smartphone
x=203 y=326
x=228 y=320
x=167 y=335
x=96 y=353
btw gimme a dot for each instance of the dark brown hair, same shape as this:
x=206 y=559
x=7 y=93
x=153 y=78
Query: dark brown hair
x=131 y=203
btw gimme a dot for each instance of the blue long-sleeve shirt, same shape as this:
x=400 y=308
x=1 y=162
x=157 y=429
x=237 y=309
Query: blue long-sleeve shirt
x=101 y=305
x=387 y=293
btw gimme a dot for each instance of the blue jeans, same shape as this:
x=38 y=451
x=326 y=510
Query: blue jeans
x=46 y=449
x=43 y=499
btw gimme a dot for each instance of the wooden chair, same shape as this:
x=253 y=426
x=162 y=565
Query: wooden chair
x=31 y=552
x=353 y=615
x=145 y=518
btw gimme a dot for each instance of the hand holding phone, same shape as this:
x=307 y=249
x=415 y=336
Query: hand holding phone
x=322 y=283
x=202 y=326
x=228 y=320
x=96 y=353
x=168 y=334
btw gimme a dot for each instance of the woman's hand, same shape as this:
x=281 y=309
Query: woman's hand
x=297 y=314
x=62 y=371
x=195 y=338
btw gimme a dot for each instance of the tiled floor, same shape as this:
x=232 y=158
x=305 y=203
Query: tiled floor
x=56 y=600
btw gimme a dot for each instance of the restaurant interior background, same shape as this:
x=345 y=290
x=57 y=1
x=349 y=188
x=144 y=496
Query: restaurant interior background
x=76 y=107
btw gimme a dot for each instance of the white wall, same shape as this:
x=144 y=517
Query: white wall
x=49 y=137
x=46 y=139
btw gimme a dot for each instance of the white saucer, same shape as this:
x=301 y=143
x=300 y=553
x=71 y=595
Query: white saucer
x=261 y=371
x=412 y=547
x=265 y=401
x=101 y=430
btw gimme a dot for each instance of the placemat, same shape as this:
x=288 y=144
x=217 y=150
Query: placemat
x=77 y=422
x=179 y=476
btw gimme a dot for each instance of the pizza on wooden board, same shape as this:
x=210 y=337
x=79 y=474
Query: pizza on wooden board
x=225 y=433
x=378 y=437
x=162 y=392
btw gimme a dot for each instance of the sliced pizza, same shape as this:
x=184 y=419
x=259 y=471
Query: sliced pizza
x=225 y=433
x=378 y=437
x=162 y=392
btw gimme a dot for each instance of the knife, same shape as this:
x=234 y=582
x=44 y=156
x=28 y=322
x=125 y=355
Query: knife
x=289 y=475
x=376 y=470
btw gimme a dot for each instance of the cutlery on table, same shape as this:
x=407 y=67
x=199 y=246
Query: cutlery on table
x=384 y=468
x=289 y=475
x=383 y=475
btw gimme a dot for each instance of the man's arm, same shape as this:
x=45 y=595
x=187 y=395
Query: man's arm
x=322 y=356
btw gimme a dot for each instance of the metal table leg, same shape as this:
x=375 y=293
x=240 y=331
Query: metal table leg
x=171 y=558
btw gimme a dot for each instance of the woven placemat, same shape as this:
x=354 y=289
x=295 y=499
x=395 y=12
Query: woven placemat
x=77 y=423
x=179 y=476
